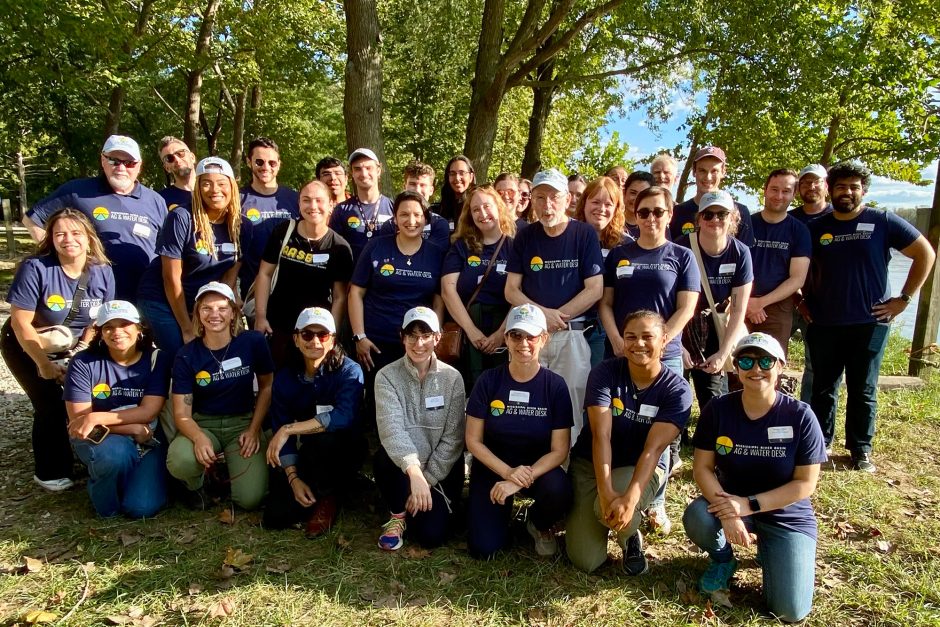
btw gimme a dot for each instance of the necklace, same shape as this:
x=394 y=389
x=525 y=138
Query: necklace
x=218 y=361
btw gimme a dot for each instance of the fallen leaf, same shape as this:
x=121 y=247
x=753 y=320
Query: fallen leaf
x=58 y=597
x=389 y=601
x=135 y=612
x=417 y=602
x=397 y=587
x=367 y=593
x=883 y=545
x=536 y=617
x=278 y=568
x=446 y=578
x=342 y=541
x=413 y=552
x=874 y=532
x=36 y=617
x=127 y=539
x=844 y=530
x=222 y=608
x=227 y=517
x=194 y=589
x=708 y=614
x=31 y=565
x=598 y=610
x=187 y=536
x=227 y=572
x=720 y=597
x=237 y=559
x=119 y=620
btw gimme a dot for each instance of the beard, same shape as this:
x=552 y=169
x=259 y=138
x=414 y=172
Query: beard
x=121 y=182
x=184 y=172
x=844 y=205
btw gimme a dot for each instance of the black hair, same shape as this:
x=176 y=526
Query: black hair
x=416 y=326
x=331 y=363
x=639 y=175
x=415 y=197
x=848 y=170
x=451 y=204
x=328 y=162
x=262 y=142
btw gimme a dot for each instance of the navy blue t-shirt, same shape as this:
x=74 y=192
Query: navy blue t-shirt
x=800 y=214
x=519 y=417
x=683 y=221
x=264 y=212
x=357 y=221
x=41 y=286
x=650 y=279
x=848 y=273
x=729 y=269
x=395 y=283
x=437 y=231
x=667 y=399
x=554 y=269
x=127 y=225
x=754 y=456
x=95 y=377
x=221 y=381
x=175 y=197
x=774 y=246
x=472 y=267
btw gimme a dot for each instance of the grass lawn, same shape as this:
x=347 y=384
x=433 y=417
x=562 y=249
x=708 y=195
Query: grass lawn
x=878 y=560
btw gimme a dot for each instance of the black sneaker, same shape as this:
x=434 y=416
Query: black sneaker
x=634 y=561
x=862 y=461
x=196 y=500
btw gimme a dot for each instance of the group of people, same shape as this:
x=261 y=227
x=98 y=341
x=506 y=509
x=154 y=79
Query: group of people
x=583 y=307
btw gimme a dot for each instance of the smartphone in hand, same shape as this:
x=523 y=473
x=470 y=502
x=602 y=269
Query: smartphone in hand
x=98 y=434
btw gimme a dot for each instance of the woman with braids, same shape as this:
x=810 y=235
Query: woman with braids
x=196 y=246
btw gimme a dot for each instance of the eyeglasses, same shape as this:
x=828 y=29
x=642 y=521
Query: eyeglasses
x=519 y=336
x=273 y=163
x=456 y=173
x=307 y=335
x=644 y=213
x=173 y=156
x=415 y=338
x=115 y=162
x=708 y=216
x=745 y=362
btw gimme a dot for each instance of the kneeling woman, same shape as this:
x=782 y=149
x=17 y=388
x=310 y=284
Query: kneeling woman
x=321 y=454
x=519 y=432
x=757 y=457
x=214 y=406
x=420 y=418
x=119 y=382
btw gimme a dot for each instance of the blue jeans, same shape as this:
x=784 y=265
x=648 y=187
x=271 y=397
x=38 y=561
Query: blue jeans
x=788 y=558
x=665 y=460
x=166 y=330
x=597 y=340
x=120 y=479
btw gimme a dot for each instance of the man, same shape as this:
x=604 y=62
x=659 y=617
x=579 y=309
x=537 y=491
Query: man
x=709 y=172
x=330 y=172
x=127 y=215
x=264 y=203
x=664 y=169
x=780 y=255
x=179 y=163
x=419 y=178
x=359 y=218
x=813 y=191
x=556 y=264
x=850 y=303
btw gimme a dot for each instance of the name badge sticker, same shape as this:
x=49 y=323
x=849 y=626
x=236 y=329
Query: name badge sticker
x=501 y=267
x=141 y=229
x=649 y=411
x=518 y=396
x=605 y=252
x=434 y=402
x=625 y=271
x=779 y=434
x=727 y=268
x=382 y=219
x=320 y=258
x=228 y=248
x=324 y=409
x=865 y=226
x=231 y=363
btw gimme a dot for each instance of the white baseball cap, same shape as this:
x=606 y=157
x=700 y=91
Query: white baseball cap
x=720 y=198
x=315 y=315
x=553 y=178
x=763 y=342
x=214 y=165
x=422 y=314
x=815 y=169
x=117 y=310
x=216 y=288
x=362 y=152
x=121 y=143
x=526 y=317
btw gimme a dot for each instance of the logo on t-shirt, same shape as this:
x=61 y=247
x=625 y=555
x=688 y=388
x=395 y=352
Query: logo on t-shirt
x=253 y=214
x=202 y=247
x=353 y=222
x=687 y=228
x=473 y=261
x=387 y=269
x=203 y=378
x=497 y=408
x=172 y=207
x=724 y=445
x=825 y=239
x=101 y=391
x=100 y=213
x=616 y=406
x=55 y=302
x=536 y=264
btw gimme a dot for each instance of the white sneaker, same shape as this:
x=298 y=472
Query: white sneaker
x=545 y=543
x=659 y=520
x=54 y=485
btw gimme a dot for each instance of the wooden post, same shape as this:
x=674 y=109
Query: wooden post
x=8 y=225
x=928 y=306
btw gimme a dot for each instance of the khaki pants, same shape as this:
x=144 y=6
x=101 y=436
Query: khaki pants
x=569 y=355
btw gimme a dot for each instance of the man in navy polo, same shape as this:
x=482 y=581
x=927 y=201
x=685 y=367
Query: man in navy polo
x=709 y=172
x=359 y=218
x=179 y=163
x=127 y=215
x=850 y=303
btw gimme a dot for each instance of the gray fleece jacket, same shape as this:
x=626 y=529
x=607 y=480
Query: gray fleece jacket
x=421 y=422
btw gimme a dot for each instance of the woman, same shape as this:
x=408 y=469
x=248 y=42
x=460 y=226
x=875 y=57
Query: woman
x=519 y=421
x=196 y=246
x=768 y=494
x=458 y=178
x=507 y=186
x=524 y=214
x=656 y=274
x=601 y=206
x=480 y=249
x=576 y=185
x=728 y=270
x=420 y=417
x=636 y=407
x=322 y=382
x=121 y=382
x=636 y=183
x=314 y=256
x=61 y=286
x=619 y=174
x=217 y=416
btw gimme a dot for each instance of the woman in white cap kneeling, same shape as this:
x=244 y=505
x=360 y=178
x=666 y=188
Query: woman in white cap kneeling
x=318 y=440
x=420 y=418
x=214 y=406
x=757 y=457
x=114 y=392
x=519 y=420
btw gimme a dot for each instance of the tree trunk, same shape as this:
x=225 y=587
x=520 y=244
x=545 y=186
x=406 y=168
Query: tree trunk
x=683 y=186
x=487 y=89
x=238 y=132
x=112 y=119
x=21 y=175
x=362 y=100
x=212 y=134
x=194 y=80
x=542 y=98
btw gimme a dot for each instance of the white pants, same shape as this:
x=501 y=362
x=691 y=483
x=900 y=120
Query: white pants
x=569 y=355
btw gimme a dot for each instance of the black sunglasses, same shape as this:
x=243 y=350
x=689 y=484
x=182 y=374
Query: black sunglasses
x=644 y=213
x=745 y=362
x=307 y=335
x=708 y=216
x=271 y=162
x=173 y=156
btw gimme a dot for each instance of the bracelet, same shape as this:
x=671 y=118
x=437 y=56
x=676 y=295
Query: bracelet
x=291 y=480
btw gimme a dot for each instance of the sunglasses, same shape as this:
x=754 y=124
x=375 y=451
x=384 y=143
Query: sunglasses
x=746 y=363
x=644 y=213
x=173 y=156
x=708 y=216
x=307 y=335
x=273 y=163
x=115 y=162
x=519 y=336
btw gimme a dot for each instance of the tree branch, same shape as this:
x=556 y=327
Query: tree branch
x=168 y=106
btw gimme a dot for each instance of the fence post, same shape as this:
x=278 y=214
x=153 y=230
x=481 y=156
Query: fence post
x=928 y=306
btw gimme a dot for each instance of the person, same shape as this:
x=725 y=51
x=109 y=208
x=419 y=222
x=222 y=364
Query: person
x=781 y=259
x=318 y=441
x=757 y=458
x=331 y=172
x=358 y=218
x=617 y=173
x=813 y=188
x=557 y=265
x=656 y=274
x=458 y=178
x=47 y=292
x=601 y=207
x=576 y=185
x=420 y=417
x=636 y=407
x=507 y=186
x=524 y=214
x=217 y=417
x=197 y=245
x=519 y=422
x=849 y=305
x=636 y=183
x=664 y=170
x=314 y=256
x=483 y=239
x=179 y=163
x=126 y=215
x=727 y=266
x=120 y=382
x=419 y=178
x=710 y=171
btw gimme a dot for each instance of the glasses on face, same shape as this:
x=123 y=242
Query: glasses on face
x=645 y=213
x=708 y=216
x=307 y=335
x=173 y=156
x=272 y=163
x=115 y=162
x=746 y=362
x=415 y=338
x=519 y=336
x=456 y=173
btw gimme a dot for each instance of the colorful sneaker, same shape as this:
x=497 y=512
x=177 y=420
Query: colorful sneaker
x=634 y=560
x=324 y=515
x=393 y=532
x=545 y=543
x=659 y=520
x=717 y=576
x=54 y=485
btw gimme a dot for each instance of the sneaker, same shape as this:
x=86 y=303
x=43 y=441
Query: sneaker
x=634 y=560
x=717 y=576
x=545 y=543
x=862 y=461
x=197 y=500
x=54 y=485
x=324 y=515
x=659 y=520
x=393 y=532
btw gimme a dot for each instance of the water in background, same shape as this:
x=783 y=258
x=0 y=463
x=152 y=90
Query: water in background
x=897 y=274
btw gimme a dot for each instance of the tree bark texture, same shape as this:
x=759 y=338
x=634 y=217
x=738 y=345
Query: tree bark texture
x=194 y=80
x=542 y=99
